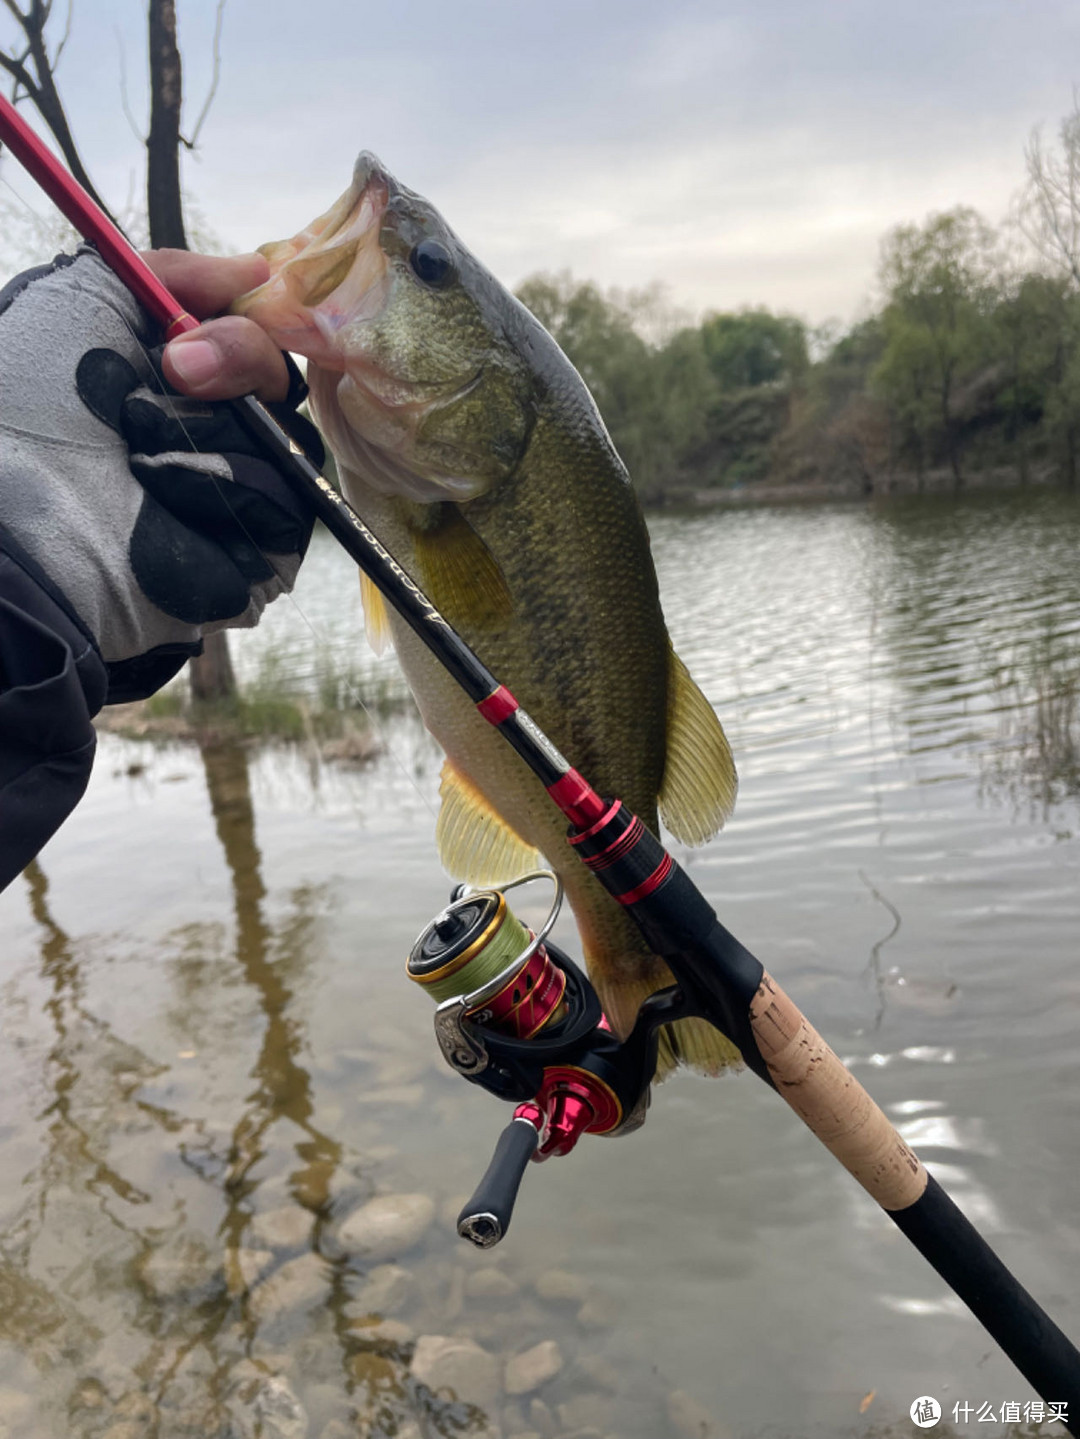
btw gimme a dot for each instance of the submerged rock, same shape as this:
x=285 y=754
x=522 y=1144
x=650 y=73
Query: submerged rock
x=489 y=1283
x=585 y=1411
x=245 y=1267
x=562 y=1285
x=299 y=1284
x=286 y=1228
x=599 y=1312
x=386 y=1289
x=372 y=1331
x=541 y=1418
x=526 y=1372
x=470 y=1373
x=688 y=1417
x=387 y=1226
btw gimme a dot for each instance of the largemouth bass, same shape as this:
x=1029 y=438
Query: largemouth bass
x=471 y=446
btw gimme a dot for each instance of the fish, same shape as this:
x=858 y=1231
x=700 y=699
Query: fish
x=466 y=440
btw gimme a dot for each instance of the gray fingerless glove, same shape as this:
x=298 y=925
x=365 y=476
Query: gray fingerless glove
x=154 y=515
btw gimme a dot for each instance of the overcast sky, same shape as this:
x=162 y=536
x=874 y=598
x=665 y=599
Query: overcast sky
x=739 y=153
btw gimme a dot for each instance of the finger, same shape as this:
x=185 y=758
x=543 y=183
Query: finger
x=207 y=284
x=225 y=358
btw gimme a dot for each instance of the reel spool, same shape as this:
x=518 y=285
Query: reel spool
x=478 y=948
x=517 y=1016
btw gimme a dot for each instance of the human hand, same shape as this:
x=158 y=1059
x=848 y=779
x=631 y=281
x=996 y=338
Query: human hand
x=227 y=356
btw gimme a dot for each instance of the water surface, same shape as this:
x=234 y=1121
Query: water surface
x=205 y=1021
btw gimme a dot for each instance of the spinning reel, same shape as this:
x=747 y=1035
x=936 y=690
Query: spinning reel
x=518 y=1017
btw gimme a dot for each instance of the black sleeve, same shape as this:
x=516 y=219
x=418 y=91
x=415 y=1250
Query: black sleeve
x=52 y=681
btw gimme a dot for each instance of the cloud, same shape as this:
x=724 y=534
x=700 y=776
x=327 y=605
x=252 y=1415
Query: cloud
x=741 y=153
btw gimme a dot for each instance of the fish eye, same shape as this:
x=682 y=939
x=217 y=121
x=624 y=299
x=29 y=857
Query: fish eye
x=431 y=262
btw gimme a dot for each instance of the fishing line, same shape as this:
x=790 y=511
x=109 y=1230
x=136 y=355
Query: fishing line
x=350 y=689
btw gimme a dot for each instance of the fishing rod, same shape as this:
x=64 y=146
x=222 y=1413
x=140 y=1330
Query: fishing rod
x=516 y=1016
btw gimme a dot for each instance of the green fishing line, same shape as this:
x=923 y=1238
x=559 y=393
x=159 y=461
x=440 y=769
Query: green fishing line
x=509 y=940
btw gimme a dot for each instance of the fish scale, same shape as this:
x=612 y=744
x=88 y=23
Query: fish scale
x=470 y=444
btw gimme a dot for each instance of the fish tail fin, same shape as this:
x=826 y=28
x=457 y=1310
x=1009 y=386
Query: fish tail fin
x=692 y=1043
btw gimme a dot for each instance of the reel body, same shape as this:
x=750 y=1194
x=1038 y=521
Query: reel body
x=517 y=1017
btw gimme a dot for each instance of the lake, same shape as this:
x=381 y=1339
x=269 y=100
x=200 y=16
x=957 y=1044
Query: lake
x=212 y=1059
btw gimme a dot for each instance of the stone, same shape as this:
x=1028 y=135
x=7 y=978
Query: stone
x=177 y=1270
x=470 y=1373
x=16 y=1409
x=386 y=1289
x=372 y=1331
x=89 y=1394
x=561 y=1285
x=599 y=1312
x=489 y=1283
x=286 y=1228
x=525 y=1434
x=688 y=1417
x=387 y=1226
x=528 y=1371
x=244 y=1268
x=278 y=1412
x=377 y=1371
x=136 y=1405
x=602 y=1373
x=541 y=1418
x=126 y=1429
x=300 y=1283
x=337 y=1429
x=585 y=1411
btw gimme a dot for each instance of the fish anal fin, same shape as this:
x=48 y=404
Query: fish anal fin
x=376 y=618
x=692 y=1043
x=459 y=573
x=475 y=843
x=697 y=793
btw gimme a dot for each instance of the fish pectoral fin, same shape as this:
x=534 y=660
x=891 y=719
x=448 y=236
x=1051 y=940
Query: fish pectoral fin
x=697 y=793
x=376 y=616
x=459 y=573
x=475 y=843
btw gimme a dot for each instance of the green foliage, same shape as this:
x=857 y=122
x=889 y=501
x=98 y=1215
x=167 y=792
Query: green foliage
x=754 y=347
x=938 y=280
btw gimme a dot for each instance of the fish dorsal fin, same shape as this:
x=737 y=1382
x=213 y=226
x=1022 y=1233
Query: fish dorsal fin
x=698 y=789
x=475 y=843
x=459 y=572
x=376 y=619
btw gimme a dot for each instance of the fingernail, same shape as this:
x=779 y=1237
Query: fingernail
x=196 y=362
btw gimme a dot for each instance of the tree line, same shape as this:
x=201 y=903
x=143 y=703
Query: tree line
x=969 y=366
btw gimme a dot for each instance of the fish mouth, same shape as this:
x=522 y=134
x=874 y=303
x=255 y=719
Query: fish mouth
x=331 y=274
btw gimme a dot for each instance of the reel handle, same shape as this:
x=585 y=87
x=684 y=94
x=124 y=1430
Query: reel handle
x=486 y=1217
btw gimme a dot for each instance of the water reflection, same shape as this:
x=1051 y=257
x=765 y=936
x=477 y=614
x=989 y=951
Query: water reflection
x=215 y=1061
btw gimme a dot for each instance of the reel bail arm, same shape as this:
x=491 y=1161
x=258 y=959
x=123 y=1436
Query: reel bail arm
x=721 y=979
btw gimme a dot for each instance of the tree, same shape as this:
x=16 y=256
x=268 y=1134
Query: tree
x=938 y=279
x=33 y=70
x=755 y=347
x=1049 y=211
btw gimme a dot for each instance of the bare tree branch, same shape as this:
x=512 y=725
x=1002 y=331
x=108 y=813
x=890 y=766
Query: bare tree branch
x=214 y=80
x=1049 y=213
x=41 y=88
x=65 y=36
x=125 y=104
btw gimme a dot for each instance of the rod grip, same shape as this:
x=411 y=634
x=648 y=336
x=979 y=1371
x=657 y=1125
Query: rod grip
x=486 y=1217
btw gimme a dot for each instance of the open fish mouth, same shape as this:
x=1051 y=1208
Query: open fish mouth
x=330 y=275
x=331 y=278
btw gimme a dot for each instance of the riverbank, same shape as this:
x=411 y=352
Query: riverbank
x=331 y=735
x=889 y=484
